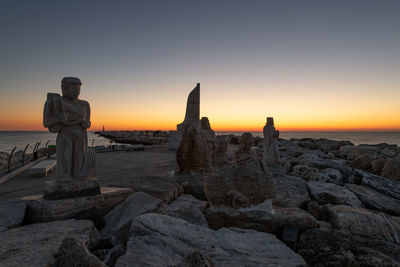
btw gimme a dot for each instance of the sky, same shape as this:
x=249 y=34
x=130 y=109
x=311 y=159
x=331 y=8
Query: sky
x=312 y=65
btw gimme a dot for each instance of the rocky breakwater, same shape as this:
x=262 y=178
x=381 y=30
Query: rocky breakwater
x=136 y=137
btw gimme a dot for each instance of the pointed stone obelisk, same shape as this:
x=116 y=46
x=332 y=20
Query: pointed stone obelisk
x=192 y=116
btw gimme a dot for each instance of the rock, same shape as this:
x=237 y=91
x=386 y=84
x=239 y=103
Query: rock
x=329 y=247
x=290 y=150
x=244 y=152
x=43 y=210
x=162 y=187
x=317 y=211
x=219 y=156
x=114 y=254
x=175 y=242
x=36 y=244
x=377 y=165
x=289 y=236
x=325 y=193
x=73 y=253
x=365 y=223
x=91 y=214
x=258 y=218
x=79 y=188
x=362 y=162
x=388 y=153
x=351 y=152
x=329 y=145
x=327 y=175
x=118 y=221
x=192 y=183
x=386 y=186
x=392 y=169
x=308 y=144
x=209 y=139
x=290 y=191
x=189 y=209
x=12 y=214
x=375 y=200
x=314 y=161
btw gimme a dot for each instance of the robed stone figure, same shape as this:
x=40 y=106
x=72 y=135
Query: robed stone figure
x=271 y=148
x=69 y=117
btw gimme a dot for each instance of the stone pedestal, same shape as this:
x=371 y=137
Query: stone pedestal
x=79 y=188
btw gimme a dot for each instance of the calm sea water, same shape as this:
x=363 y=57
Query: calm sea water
x=21 y=138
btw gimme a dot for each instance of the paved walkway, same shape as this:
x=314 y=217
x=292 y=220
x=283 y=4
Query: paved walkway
x=113 y=168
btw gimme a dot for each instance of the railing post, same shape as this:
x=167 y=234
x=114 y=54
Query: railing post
x=23 y=155
x=9 y=159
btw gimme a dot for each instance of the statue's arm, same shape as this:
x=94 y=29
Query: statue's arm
x=86 y=121
x=49 y=119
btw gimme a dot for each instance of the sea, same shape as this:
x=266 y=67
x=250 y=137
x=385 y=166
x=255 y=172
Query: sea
x=19 y=139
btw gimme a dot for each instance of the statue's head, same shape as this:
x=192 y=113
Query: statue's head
x=270 y=121
x=71 y=87
x=246 y=141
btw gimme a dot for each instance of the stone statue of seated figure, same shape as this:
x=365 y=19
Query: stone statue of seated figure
x=69 y=117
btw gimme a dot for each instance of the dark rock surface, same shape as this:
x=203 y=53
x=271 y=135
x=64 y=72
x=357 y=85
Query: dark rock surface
x=12 y=214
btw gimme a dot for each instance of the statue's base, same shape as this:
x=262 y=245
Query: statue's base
x=79 y=188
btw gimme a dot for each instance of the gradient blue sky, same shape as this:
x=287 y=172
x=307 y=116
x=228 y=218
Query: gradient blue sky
x=310 y=64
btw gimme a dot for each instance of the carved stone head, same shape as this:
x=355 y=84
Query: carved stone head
x=270 y=121
x=246 y=141
x=205 y=123
x=71 y=87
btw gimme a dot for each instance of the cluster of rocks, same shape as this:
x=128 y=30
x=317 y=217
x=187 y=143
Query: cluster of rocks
x=310 y=205
x=18 y=157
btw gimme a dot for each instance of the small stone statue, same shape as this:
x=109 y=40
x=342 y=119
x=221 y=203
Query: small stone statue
x=244 y=152
x=209 y=138
x=219 y=157
x=271 y=148
x=69 y=117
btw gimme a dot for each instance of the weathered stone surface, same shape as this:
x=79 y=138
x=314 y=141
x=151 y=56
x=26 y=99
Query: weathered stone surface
x=271 y=148
x=290 y=191
x=362 y=162
x=73 y=253
x=325 y=193
x=392 y=169
x=219 y=157
x=366 y=223
x=329 y=145
x=351 y=152
x=290 y=150
x=258 y=218
x=162 y=187
x=386 y=186
x=192 y=108
x=317 y=162
x=375 y=200
x=329 y=247
x=189 y=209
x=209 y=140
x=327 y=175
x=388 y=153
x=192 y=183
x=244 y=152
x=36 y=244
x=289 y=236
x=78 y=188
x=43 y=210
x=118 y=221
x=192 y=152
x=12 y=214
x=377 y=165
x=240 y=184
x=174 y=241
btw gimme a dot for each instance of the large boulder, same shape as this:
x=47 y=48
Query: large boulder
x=73 y=253
x=43 y=210
x=12 y=214
x=188 y=208
x=290 y=191
x=325 y=193
x=377 y=165
x=375 y=200
x=259 y=218
x=327 y=175
x=160 y=240
x=386 y=186
x=366 y=223
x=118 y=221
x=36 y=244
x=329 y=145
x=351 y=152
x=362 y=162
x=192 y=183
x=330 y=247
x=392 y=169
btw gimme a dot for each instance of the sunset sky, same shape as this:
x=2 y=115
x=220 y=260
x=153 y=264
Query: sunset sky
x=312 y=65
